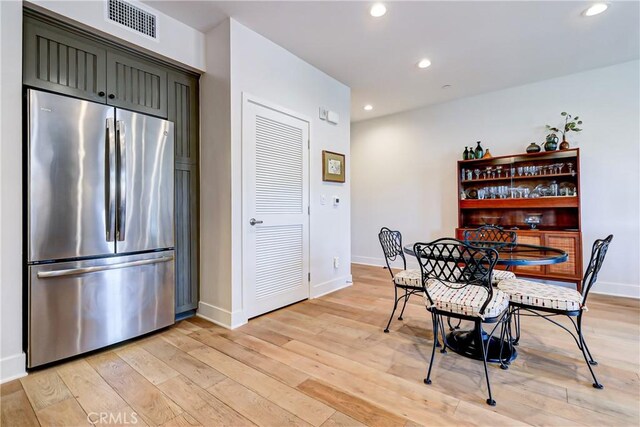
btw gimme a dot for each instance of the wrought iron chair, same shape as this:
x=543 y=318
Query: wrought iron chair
x=546 y=301
x=490 y=235
x=457 y=281
x=408 y=281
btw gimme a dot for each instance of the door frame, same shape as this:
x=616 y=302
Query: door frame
x=246 y=99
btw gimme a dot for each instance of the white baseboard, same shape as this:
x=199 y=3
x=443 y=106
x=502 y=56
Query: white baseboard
x=331 y=286
x=13 y=367
x=365 y=260
x=220 y=316
x=616 y=289
x=379 y=262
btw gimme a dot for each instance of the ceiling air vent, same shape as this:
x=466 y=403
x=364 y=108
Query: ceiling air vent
x=132 y=17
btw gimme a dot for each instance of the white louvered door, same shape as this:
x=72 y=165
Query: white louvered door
x=275 y=159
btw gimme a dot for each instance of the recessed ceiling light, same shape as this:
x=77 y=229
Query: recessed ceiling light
x=424 y=63
x=596 y=9
x=368 y=107
x=377 y=10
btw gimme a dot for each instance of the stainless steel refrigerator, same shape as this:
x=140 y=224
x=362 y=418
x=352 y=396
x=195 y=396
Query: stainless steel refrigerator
x=100 y=234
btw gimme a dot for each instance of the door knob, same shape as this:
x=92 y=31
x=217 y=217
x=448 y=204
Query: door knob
x=253 y=221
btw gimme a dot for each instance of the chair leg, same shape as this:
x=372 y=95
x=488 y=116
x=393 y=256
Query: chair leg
x=583 y=348
x=490 y=400
x=503 y=334
x=395 y=305
x=592 y=362
x=444 y=336
x=406 y=298
x=435 y=322
x=516 y=321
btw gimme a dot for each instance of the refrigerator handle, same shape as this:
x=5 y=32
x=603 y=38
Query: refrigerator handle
x=110 y=181
x=94 y=269
x=122 y=180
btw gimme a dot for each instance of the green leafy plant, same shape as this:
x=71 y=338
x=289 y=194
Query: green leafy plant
x=570 y=125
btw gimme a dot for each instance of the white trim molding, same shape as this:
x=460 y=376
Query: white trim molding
x=220 y=316
x=12 y=367
x=325 y=288
x=626 y=290
x=379 y=262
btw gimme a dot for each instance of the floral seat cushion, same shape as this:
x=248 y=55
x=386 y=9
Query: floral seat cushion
x=541 y=295
x=466 y=300
x=499 y=275
x=408 y=278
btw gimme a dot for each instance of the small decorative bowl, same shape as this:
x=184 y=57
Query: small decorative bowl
x=533 y=219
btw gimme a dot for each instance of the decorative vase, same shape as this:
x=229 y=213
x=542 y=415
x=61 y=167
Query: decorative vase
x=564 y=145
x=533 y=148
x=552 y=142
x=487 y=154
x=471 y=154
x=465 y=155
x=479 y=151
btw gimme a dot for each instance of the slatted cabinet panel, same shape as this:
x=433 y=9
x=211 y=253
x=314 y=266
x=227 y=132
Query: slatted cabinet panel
x=135 y=85
x=183 y=111
x=186 y=238
x=570 y=243
x=59 y=62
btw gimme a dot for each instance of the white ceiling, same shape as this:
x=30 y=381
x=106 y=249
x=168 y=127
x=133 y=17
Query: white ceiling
x=475 y=46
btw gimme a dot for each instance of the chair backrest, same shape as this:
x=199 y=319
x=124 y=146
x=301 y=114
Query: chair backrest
x=598 y=252
x=391 y=242
x=456 y=264
x=490 y=234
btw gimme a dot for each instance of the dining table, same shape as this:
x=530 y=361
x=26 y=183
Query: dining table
x=510 y=255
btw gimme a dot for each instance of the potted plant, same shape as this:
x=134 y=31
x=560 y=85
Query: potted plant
x=570 y=125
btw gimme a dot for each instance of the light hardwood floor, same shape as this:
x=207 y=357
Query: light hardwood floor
x=326 y=362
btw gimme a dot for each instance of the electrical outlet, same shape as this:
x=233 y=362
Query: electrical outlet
x=336 y=262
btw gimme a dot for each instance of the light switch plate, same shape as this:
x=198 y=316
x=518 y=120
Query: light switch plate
x=333 y=117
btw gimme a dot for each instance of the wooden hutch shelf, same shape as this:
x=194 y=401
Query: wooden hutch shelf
x=541 y=202
x=487 y=193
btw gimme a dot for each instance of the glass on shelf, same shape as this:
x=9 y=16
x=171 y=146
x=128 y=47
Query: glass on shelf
x=477 y=173
x=520 y=170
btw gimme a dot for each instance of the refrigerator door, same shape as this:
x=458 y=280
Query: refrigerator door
x=71 y=170
x=145 y=182
x=80 y=306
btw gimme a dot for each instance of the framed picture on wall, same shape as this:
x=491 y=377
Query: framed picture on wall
x=333 y=166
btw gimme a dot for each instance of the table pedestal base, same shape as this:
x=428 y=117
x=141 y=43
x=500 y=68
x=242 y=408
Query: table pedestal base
x=465 y=343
